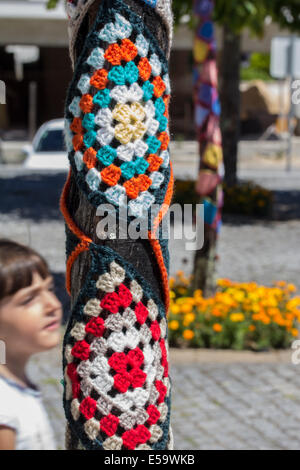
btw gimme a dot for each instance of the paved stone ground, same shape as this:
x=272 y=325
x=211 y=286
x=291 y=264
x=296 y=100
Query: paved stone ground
x=221 y=405
x=242 y=403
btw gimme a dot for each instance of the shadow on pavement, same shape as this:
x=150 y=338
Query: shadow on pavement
x=32 y=196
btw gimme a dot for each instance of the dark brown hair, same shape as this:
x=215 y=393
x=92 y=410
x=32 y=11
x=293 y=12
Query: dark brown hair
x=17 y=265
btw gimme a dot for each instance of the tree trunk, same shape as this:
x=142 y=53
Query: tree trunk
x=230 y=102
x=139 y=253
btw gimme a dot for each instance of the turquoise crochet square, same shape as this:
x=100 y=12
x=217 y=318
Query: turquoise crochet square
x=210 y=211
x=102 y=98
x=106 y=155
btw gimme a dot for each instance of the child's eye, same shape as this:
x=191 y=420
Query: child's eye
x=27 y=300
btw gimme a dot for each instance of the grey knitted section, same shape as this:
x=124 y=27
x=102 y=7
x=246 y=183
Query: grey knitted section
x=77 y=11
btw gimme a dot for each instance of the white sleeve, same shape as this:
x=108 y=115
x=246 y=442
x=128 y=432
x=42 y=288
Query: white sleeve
x=8 y=412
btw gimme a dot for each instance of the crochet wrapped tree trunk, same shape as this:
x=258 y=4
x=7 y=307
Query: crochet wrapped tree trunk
x=207 y=119
x=117 y=392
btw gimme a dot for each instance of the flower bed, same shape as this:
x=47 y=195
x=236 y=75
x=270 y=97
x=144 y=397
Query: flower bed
x=239 y=316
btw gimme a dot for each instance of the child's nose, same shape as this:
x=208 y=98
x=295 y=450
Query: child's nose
x=51 y=301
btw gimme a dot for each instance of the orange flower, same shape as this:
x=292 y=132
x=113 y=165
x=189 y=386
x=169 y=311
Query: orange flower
x=188 y=334
x=217 y=327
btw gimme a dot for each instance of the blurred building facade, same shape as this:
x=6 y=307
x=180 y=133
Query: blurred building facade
x=36 y=78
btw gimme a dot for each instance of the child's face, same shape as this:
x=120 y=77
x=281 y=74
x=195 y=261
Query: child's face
x=30 y=319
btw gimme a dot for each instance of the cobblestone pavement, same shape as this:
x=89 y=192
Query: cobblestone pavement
x=231 y=405
x=221 y=405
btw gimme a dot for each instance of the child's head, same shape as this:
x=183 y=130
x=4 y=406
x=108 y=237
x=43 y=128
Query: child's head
x=30 y=313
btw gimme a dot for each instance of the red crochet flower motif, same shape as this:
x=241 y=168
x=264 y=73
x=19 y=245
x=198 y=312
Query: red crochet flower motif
x=128 y=369
x=95 y=327
x=141 y=313
x=162 y=390
x=113 y=301
x=88 y=407
x=153 y=413
x=74 y=377
x=133 y=437
x=164 y=360
x=81 y=350
x=109 y=424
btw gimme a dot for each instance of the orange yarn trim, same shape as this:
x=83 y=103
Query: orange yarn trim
x=111 y=175
x=77 y=142
x=76 y=126
x=165 y=139
x=113 y=54
x=86 y=103
x=90 y=158
x=166 y=100
x=85 y=241
x=99 y=79
x=155 y=243
x=129 y=50
x=134 y=186
x=154 y=162
x=144 y=68
x=159 y=86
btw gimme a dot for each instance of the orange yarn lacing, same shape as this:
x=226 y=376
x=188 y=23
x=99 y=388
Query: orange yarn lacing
x=83 y=245
x=85 y=241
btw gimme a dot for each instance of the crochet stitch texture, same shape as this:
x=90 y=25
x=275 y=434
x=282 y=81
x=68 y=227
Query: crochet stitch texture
x=77 y=9
x=117 y=390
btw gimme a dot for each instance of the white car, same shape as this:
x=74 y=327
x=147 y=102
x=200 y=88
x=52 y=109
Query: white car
x=48 y=149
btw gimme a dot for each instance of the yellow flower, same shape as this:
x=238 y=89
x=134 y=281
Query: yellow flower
x=291 y=288
x=188 y=334
x=187 y=308
x=295 y=332
x=236 y=317
x=172 y=294
x=217 y=327
x=182 y=290
x=189 y=318
x=216 y=312
x=175 y=309
x=174 y=325
x=180 y=273
x=224 y=282
x=239 y=296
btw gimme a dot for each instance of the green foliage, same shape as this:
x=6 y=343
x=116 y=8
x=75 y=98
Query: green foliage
x=52 y=3
x=237 y=14
x=245 y=198
x=258 y=68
